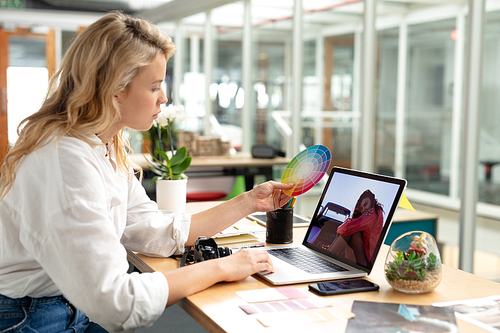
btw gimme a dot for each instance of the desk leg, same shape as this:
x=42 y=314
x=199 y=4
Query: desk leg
x=267 y=172
x=248 y=183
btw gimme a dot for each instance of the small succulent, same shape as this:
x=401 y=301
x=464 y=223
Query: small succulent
x=414 y=264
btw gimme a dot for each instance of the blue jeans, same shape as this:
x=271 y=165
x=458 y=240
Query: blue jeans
x=43 y=315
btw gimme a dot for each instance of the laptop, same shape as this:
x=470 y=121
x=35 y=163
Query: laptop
x=345 y=233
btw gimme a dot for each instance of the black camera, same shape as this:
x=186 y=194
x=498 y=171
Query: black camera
x=207 y=248
x=204 y=249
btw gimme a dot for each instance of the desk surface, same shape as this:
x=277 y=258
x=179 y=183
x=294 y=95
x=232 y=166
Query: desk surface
x=237 y=160
x=217 y=308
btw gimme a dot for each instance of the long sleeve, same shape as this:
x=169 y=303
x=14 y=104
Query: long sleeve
x=150 y=232
x=370 y=223
x=65 y=217
x=352 y=225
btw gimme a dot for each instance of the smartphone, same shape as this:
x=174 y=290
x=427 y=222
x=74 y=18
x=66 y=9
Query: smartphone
x=342 y=287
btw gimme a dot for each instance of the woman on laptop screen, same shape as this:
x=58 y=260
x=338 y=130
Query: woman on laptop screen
x=358 y=235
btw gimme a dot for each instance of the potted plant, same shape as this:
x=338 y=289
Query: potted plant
x=171 y=181
x=170 y=168
x=413 y=264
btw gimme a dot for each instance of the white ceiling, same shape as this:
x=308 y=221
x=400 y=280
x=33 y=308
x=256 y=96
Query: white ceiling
x=226 y=16
x=97 y=5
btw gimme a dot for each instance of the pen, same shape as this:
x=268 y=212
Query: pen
x=292 y=202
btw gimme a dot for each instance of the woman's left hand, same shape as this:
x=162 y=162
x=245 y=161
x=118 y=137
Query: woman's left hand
x=269 y=196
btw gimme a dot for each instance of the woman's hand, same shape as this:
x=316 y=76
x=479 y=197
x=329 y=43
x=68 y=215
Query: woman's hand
x=244 y=263
x=263 y=198
x=190 y=279
x=269 y=196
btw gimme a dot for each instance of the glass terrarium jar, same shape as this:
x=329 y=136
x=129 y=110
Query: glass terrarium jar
x=413 y=263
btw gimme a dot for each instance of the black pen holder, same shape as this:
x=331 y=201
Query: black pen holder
x=279 y=226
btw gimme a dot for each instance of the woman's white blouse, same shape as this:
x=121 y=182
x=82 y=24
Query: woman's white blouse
x=63 y=228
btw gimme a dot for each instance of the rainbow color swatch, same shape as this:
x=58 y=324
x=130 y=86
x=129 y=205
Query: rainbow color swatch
x=306 y=169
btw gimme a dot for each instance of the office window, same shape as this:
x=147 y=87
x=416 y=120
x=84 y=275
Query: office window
x=311 y=87
x=192 y=86
x=27 y=80
x=489 y=136
x=386 y=101
x=227 y=93
x=271 y=68
x=270 y=88
x=429 y=95
x=339 y=83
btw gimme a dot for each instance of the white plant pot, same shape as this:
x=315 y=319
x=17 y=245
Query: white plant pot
x=171 y=195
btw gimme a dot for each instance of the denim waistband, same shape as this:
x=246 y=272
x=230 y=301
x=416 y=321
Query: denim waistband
x=29 y=301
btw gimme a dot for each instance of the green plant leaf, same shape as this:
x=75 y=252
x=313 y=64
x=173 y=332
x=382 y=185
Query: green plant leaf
x=181 y=168
x=155 y=178
x=149 y=162
x=179 y=156
x=158 y=163
x=422 y=274
x=160 y=171
x=432 y=261
x=165 y=157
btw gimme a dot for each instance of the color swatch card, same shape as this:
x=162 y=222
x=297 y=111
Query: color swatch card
x=285 y=306
x=270 y=294
x=290 y=321
x=306 y=169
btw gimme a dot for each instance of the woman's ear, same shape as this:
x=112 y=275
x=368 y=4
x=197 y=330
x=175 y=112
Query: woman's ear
x=118 y=97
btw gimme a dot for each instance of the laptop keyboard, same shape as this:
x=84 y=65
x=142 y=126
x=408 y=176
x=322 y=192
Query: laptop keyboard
x=305 y=261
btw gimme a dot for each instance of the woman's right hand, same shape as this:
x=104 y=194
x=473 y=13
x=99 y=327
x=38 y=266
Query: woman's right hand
x=244 y=263
x=193 y=278
x=269 y=196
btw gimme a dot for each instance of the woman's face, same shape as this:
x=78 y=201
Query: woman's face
x=365 y=205
x=140 y=103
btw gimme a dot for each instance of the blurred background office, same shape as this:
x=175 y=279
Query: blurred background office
x=407 y=88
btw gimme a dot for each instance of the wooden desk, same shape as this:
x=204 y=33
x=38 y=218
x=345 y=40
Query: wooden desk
x=240 y=164
x=217 y=308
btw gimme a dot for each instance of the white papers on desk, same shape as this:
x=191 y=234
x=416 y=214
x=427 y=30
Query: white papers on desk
x=242 y=228
x=482 y=312
x=240 y=241
x=243 y=234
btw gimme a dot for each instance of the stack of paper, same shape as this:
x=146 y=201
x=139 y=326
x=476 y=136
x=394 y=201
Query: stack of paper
x=243 y=234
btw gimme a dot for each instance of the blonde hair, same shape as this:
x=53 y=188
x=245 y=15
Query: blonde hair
x=101 y=62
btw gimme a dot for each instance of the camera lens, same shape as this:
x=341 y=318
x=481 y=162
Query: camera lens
x=224 y=251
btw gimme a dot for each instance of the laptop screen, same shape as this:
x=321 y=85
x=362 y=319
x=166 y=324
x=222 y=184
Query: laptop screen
x=353 y=216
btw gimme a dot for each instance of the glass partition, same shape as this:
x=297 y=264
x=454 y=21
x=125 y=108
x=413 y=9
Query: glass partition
x=192 y=87
x=27 y=71
x=489 y=135
x=386 y=102
x=339 y=85
x=272 y=41
x=330 y=85
x=429 y=96
x=227 y=93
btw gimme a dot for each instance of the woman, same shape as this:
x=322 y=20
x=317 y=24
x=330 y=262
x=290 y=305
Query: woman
x=361 y=232
x=69 y=198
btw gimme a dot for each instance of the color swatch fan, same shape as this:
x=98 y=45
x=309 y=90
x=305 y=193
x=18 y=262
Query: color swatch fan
x=306 y=169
